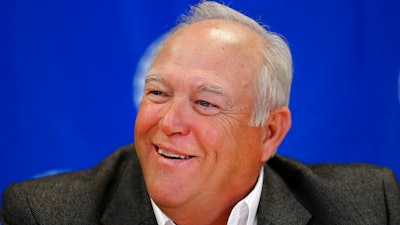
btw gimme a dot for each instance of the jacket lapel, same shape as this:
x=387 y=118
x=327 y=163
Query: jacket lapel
x=278 y=205
x=130 y=203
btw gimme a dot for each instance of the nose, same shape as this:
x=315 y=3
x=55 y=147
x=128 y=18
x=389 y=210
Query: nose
x=176 y=118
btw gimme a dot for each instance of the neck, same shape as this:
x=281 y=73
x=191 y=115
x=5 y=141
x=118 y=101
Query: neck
x=209 y=215
x=212 y=211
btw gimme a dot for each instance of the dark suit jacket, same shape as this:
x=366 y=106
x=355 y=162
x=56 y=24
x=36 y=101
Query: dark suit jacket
x=114 y=193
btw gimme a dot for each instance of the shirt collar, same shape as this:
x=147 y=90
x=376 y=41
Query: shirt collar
x=247 y=207
x=161 y=218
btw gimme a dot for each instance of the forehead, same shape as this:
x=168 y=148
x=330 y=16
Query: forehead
x=225 y=48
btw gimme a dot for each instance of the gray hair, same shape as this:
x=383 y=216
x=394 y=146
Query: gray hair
x=272 y=88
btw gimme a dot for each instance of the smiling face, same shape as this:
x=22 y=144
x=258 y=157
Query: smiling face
x=192 y=134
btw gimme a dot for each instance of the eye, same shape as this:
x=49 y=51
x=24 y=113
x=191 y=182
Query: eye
x=156 y=96
x=204 y=103
x=156 y=92
x=206 y=108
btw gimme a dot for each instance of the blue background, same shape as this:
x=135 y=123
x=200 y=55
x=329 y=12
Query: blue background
x=67 y=72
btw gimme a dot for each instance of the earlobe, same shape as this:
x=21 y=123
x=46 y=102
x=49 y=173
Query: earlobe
x=277 y=126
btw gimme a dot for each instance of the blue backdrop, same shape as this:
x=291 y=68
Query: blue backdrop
x=68 y=72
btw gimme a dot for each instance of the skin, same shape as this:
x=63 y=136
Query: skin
x=197 y=105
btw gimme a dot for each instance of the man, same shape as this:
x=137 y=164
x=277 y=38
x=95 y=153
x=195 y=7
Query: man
x=214 y=111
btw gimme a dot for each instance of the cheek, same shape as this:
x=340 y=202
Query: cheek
x=231 y=129
x=237 y=139
x=219 y=135
x=146 y=118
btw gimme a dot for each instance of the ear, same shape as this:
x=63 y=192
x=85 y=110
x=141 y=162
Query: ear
x=275 y=130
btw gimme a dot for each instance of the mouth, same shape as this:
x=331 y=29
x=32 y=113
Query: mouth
x=172 y=155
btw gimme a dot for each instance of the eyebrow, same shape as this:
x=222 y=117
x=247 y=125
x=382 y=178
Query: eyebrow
x=211 y=88
x=153 y=78
x=202 y=87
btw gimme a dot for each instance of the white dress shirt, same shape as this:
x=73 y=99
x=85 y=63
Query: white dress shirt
x=243 y=213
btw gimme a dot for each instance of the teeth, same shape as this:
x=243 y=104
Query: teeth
x=170 y=155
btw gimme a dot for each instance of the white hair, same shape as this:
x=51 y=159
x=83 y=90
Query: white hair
x=273 y=83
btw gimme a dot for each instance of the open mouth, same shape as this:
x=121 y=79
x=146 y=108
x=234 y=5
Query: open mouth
x=171 y=155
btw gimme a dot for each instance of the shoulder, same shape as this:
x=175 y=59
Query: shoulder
x=354 y=191
x=339 y=174
x=70 y=193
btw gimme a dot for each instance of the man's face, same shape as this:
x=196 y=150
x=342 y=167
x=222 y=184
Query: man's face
x=192 y=134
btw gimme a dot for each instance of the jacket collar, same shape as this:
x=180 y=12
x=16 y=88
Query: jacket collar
x=130 y=203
